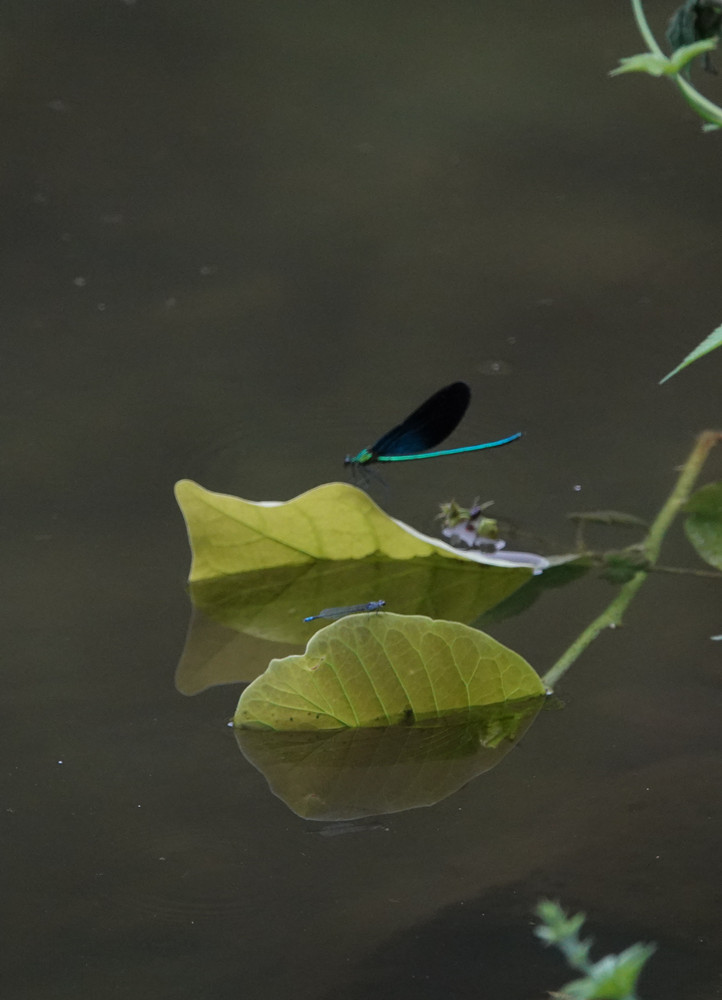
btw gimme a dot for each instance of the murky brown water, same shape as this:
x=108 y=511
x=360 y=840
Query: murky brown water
x=238 y=242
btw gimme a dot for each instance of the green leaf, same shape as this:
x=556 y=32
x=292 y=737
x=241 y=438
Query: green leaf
x=645 y=62
x=613 y=977
x=694 y=20
x=623 y=565
x=556 y=926
x=704 y=524
x=681 y=28
x=345 y=774
x=706 y=502
x=385 y=669
x=687 y=53
x=261 y=568
x=659 y=65
x=708 y=344
x=335 y=521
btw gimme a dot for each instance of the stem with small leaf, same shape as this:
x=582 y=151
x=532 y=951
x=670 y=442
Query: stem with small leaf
x=612 y=616
x=661 y=65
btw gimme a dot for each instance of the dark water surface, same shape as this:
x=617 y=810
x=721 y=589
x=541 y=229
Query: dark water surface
x=240 y=240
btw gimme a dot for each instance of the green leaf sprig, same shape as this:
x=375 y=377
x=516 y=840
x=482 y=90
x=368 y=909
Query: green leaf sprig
x=613 y=977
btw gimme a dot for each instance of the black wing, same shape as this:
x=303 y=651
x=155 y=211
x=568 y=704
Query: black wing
x=429 y=425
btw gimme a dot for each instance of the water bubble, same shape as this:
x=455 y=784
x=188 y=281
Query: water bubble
x=495 y=366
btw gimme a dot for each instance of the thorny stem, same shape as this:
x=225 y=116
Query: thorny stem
x=612 y=616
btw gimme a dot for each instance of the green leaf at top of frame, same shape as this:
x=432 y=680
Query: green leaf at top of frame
x=708 y=344
x=681 y=56
x=384 y=670
x=660 y=65
x=695 y=20
x=645 y=62
x=703 y=525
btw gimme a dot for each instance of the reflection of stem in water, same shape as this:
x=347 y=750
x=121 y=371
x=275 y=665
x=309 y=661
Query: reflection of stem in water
x=612 y=616
x=683 y=571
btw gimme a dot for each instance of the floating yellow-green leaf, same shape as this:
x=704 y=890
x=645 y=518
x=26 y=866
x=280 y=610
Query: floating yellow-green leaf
x=704 y=523
x=385 y=669
x=335 y=521
x=261 y=568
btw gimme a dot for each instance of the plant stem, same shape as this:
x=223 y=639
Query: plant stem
x=612 y=616
x=644 y=29
x=680 y=494
x=704 y=107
